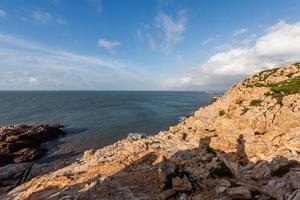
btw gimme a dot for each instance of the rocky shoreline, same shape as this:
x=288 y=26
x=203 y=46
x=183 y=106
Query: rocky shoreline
x=245 y=145
x=21 y=143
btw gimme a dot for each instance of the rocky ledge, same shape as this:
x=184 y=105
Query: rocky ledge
x=245 y=145
x=21 y=143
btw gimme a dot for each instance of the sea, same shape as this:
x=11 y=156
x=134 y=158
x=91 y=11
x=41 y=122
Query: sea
x=93 y=119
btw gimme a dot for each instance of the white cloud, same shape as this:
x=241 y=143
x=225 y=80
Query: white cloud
x=166 y=32
x=171 y=29
x=2 y=13
x=279 y=45
x=208 y=40
x=97 y=5
x=110 y=46
x=42 y=17
x=240 y=32
x=27 y=65
x=33 y=79
x=45 y=18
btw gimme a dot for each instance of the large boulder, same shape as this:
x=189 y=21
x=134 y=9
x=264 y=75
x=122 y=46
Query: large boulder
x=21 y=143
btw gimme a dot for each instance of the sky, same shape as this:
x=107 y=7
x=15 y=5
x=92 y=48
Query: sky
x=143 y=44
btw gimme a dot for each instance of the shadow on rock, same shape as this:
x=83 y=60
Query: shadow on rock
x=200 y=173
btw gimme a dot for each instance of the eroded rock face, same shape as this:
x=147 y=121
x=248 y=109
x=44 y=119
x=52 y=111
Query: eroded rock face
x=245 y=145
x=21 y=143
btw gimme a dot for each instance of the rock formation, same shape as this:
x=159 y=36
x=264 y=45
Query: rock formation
x=245 y=145
x=20 y=143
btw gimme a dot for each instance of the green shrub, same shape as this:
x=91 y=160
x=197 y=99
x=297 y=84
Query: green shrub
x=255 y=102
x=287 y=87
x=290 y=75
x=221 y=113
x=263 y=75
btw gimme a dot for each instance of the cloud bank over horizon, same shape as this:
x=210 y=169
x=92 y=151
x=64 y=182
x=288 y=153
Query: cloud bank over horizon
x=25 y=64
x=279 y=45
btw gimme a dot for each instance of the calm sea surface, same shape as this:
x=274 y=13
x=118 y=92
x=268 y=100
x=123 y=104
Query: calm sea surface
x=94 y=119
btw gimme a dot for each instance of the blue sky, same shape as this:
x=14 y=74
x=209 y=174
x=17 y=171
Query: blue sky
x=143 y=44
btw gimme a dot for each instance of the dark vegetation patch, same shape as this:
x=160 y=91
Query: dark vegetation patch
x=264 y=75
x=210 y=130
x=221 y=113
x=259 y=133
x=277 y=90
x=245 y=109
x=210 y=150
x=178 y=173
x=255 y=102
x=282 y=89
x=290 y=75
x=283 y=170
x=256 y=194
x=287 y=87
x=221 y=170
x=239 y=102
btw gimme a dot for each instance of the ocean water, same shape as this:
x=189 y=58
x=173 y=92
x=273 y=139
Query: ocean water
x=93 y=119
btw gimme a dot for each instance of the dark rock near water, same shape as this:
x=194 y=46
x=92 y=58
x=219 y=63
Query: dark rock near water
x=21 y=143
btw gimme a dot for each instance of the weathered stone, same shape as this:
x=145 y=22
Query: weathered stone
x=224 y=182
x=220 y=189
x=214 y=99
x=239 y=192
x=181 y=184
x=20 y=143
x=261 y=171
x=13 y=171
x=295 y=195
x=165 y=167
x=183 y=196
x=166 y=194
x=198 y=197
x=294 y=178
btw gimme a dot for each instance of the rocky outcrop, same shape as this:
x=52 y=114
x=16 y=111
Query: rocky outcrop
x=243 y=146
x=21 y=143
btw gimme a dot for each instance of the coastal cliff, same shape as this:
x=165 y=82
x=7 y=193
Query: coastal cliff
x=245 y=145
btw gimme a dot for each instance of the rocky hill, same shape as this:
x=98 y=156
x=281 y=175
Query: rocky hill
x=245 y=145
